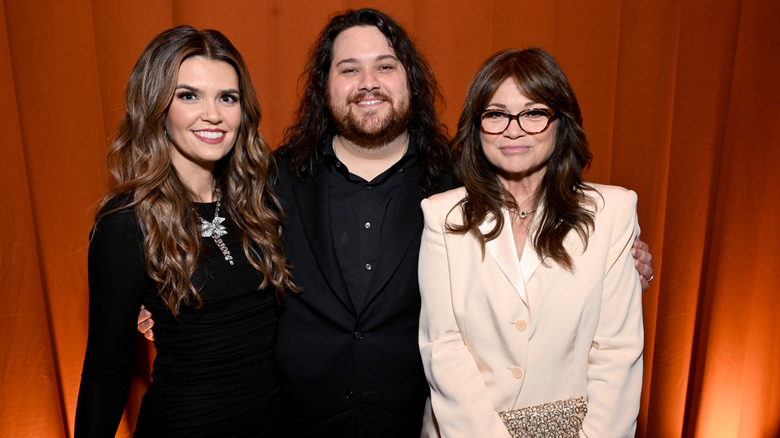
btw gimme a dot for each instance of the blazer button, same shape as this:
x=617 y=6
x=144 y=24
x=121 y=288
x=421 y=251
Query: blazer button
x=521 y=325
x=517 y=372
x=358 y=336
x=349 y=395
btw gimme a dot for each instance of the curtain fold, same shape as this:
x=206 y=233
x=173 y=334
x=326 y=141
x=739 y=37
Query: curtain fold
x=30 y=376
x=680 y=101
x=735 y=375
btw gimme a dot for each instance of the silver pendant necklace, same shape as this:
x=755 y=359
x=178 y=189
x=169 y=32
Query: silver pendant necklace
x=216 y=230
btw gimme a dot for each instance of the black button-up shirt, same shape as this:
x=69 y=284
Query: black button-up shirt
x=357 y=214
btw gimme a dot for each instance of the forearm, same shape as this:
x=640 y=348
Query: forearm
x=100 y=407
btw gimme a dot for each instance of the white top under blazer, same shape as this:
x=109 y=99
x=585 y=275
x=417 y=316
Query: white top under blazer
x=499 y=334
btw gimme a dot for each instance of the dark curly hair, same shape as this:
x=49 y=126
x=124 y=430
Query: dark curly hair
x=314 y=122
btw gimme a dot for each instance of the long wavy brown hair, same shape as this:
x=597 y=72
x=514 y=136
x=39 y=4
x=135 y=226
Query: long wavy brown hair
x=146 y=181
x=562 y=193
x=314 y=122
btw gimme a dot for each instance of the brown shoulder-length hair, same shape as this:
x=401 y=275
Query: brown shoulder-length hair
x=314 y=122
x=140 y=164
x=562 y=192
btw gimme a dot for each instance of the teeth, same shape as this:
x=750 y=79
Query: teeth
x=369 y=102
x=210 y=134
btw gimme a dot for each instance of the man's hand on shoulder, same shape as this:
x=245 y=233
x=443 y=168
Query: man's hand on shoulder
x=145 y=323
x=643 y=261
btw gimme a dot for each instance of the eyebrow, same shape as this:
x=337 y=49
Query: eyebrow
x=377 y=59
x=526 y=106
x=198 y=90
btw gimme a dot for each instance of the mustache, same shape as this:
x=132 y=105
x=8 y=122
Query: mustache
x=372 y=94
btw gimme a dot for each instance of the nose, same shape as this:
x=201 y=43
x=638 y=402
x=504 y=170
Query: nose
x=368 y=81
x=513 y=130
x=211 y=112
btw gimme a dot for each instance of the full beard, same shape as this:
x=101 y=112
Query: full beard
x=370 y=131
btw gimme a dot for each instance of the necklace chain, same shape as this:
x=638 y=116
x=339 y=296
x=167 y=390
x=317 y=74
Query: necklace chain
x=216 y=230
x=522 y=214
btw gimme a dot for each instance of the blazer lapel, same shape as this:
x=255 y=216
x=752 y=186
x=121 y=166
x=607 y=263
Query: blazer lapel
x=529 y=261
x=311 y=194
x=504 y=252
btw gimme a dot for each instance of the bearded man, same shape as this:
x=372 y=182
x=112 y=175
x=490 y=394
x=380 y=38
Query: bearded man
x=362 y=154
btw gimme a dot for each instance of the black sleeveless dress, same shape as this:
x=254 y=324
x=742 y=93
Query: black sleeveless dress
x=214 y=373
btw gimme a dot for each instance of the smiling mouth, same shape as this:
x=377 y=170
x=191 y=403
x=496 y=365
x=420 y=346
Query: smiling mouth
x=370 y=102
x=514 y=149
x=212 y=135
x=370 y=98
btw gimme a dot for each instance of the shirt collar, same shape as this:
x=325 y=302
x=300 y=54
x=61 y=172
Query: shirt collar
x=333 y=163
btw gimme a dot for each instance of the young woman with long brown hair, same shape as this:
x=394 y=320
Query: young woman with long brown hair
x=192 y=230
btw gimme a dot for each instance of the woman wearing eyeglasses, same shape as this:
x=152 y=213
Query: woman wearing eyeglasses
x=531 y=320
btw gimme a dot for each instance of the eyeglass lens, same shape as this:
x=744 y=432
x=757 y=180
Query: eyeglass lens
x=531 y=121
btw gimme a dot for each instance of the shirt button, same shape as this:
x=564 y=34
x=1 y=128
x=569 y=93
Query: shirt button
x=349 y=395
x=338 y=164
x=368 y=266
x=358 y=336
x=517 y=372
x=367 y=225
x=521 y=325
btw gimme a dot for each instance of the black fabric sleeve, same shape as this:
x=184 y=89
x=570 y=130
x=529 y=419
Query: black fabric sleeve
x=117 y=285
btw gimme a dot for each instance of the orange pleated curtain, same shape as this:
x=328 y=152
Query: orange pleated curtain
x=681 y=104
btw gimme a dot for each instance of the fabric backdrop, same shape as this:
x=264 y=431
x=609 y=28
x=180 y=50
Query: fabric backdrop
x=680 y=100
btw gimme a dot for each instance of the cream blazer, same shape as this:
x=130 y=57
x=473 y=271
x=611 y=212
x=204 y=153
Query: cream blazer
x=498 y=333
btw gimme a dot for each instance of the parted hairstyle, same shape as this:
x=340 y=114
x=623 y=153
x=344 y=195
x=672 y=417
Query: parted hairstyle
x=145 y=179
x=562 y=193
x=314 y=122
